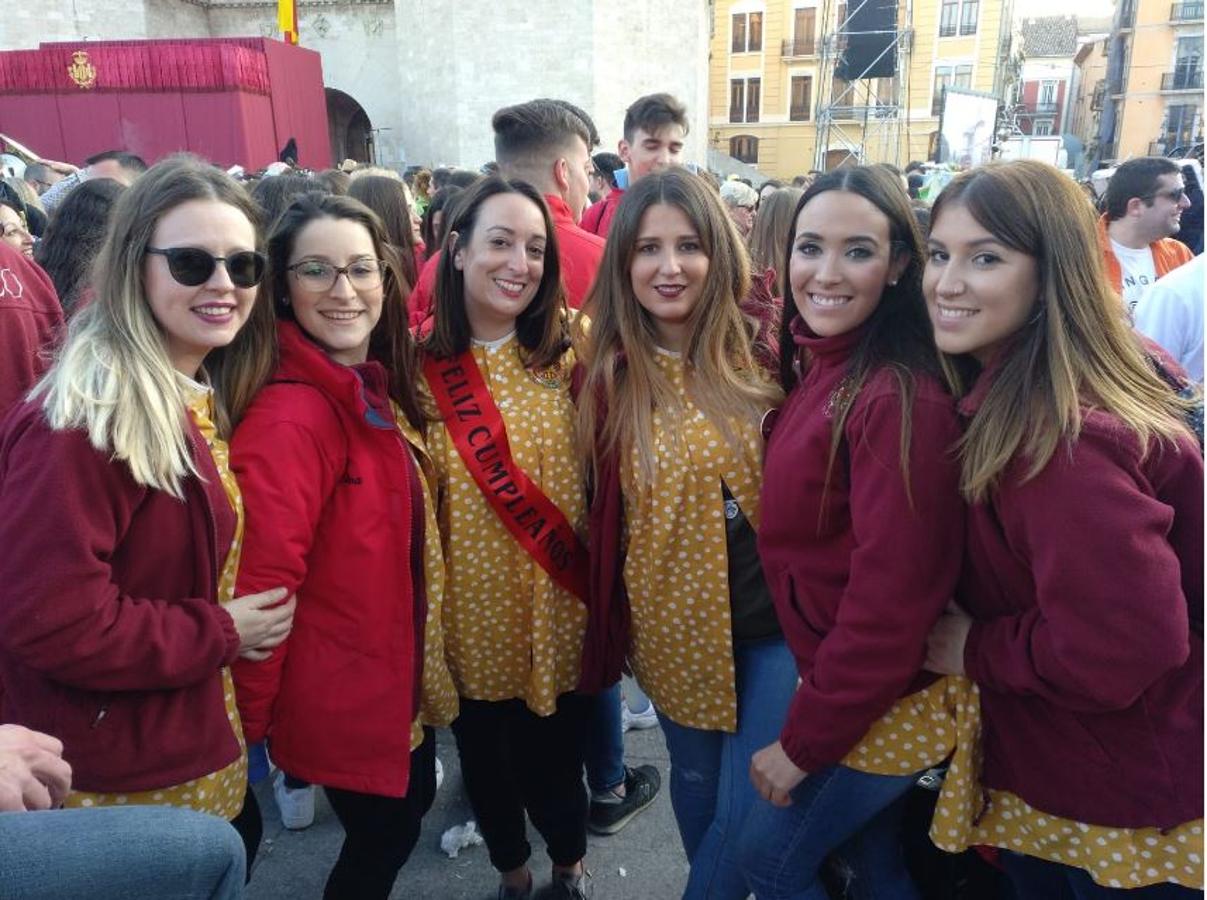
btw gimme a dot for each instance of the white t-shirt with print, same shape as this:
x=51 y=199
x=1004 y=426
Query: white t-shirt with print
x=1138 y=270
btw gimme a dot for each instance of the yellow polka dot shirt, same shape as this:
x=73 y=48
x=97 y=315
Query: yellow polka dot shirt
x=675 y=567
x=510 y=632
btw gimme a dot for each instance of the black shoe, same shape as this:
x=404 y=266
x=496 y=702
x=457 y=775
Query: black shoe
x=610 y=812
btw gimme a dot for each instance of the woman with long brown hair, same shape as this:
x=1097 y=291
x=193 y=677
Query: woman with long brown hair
x=670 y=406
x=1081 y=600
x=330 y=455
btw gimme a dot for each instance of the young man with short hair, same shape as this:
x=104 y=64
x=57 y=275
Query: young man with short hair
x=1144 y=203
x=654 y=129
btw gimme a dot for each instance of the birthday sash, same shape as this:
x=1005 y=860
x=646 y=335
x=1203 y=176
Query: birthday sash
x=476 y=427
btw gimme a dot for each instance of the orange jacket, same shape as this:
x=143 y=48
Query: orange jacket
x=1168 y=254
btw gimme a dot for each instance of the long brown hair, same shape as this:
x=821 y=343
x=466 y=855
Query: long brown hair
x=897 y=335
x=542 y=328
x=388 y=198
x=771 y=229
x=619 y=345
x=1076 y=351
x=390 y=341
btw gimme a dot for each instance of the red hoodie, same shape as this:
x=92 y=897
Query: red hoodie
x=1083 y=582
x=858 y=572
x=334 y=512
x=598 y=217
x=31 y=321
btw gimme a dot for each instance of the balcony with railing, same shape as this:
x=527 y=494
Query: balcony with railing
x=798 y=47
x=1039 y=109
x=1186 y=11
x=1127 y=15
x=1183 y=78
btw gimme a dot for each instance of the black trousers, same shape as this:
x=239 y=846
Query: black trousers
x=513 y=761
x=379 y=832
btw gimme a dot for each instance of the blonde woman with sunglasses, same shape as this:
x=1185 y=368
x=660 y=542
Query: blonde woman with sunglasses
x=122 y=524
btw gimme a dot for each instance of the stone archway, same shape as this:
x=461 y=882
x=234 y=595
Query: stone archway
x=349 y=129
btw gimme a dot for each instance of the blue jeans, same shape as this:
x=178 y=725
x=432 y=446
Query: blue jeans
x=107 y=853
x=711 y=791
x=1038 y=879
x=603 y=752
x=838 y=808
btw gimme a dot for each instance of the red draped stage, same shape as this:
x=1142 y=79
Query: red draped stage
x=230 y=100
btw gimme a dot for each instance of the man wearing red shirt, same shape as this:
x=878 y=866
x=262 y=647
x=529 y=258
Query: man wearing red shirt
x=654 y=129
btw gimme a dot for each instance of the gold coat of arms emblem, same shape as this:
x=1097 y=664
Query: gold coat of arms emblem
x=81 y=70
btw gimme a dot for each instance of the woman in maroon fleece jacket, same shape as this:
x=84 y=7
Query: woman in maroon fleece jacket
x=118 y=623
x=1083 y=576
x=861 y=538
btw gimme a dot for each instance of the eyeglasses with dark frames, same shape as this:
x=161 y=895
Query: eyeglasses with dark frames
x=318 y=276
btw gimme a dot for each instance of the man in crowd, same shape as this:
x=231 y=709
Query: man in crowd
x=41 y=177
x=654 y=129
x=603 y=182
x=1144 y=203
x=116 y=164
x=31 y=321
x=1171 y=313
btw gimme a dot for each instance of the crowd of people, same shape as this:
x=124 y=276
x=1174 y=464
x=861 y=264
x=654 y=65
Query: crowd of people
x=865 y=493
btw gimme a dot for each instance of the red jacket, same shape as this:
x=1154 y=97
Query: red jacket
x=579 y=254
x=111 y=638
x=859 y=574
x=598 y=217
x=1168 y=254
x=1081 y=582
x=31 y=321
x=334 y=513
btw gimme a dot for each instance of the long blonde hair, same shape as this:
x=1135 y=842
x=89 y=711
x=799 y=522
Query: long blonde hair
x=1076 y=352
x=113 y=378
x=624 y=384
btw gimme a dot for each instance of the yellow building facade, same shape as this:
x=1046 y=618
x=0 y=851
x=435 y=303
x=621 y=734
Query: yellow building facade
x=772 y=78
x=1158 y=94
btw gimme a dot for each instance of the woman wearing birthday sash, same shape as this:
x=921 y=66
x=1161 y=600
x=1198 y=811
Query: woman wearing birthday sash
x=497 y=365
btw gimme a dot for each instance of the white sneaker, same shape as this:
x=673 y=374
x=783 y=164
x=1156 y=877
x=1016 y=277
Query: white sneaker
x=295 y=804
x=630 y=720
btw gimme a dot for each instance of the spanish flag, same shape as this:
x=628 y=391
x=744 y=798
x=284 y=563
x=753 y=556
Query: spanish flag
x=287 y=19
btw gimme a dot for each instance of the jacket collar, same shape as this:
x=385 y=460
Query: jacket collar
x=828 y=351
x=970 y=403
x=559 y=211
x=349 y=386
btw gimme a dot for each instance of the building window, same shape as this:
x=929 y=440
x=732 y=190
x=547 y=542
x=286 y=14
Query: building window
x=747 y=32
x=744 y=148
x=804 y=28
x=1043 y=128
x=948 y=14
x=802 y=97
x=949 y=77
x=744 y=97
x=968 y=16
x=1047 y=93
x=1180 y=125
x=841 y=27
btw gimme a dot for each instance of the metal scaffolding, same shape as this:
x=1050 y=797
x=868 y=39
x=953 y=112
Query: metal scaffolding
x=866 y=118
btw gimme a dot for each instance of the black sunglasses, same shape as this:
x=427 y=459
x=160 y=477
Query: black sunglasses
x=192 y=266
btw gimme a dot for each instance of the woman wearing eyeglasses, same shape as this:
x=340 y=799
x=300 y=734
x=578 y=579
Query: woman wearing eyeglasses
x=335 y=477
x=122 y=523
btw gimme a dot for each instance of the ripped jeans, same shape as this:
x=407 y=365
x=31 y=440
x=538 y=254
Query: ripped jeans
x=711 y=791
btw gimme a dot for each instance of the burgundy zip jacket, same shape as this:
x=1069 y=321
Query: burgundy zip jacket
x=1082 y=582
x=861 y=568
x=111 y=638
